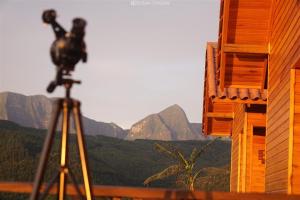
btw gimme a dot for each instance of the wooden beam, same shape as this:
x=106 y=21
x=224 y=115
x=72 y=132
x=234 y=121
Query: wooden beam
x=220 y=115
x=244 y=154
x=205 y=104
x=291 y=131
x=151 y=193
x=265 y=67
x=249 y=157
x=248 y=101
x=245 y=48
x=239 y=161
x=243 y=86
x=224 y=41
x=222 y=70
x=220 y=134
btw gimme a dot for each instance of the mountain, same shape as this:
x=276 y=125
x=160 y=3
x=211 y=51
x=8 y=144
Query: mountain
x=35 y=111
x=197 y=129
x=93 y=127
x=169 y=124
x=30 y=111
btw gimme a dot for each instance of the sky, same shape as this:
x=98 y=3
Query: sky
x=143 y=55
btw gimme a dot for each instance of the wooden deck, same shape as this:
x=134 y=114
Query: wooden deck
x=151 y=193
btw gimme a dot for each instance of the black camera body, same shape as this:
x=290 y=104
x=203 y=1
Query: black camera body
x=67 y=49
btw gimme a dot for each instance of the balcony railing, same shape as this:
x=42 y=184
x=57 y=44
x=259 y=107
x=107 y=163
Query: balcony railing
x=150 y=193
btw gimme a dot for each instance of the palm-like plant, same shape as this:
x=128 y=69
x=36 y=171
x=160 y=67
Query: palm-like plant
x=184 y=167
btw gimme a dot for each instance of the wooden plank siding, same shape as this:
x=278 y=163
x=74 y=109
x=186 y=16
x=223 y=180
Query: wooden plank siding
x=247 y=169
x=241 y=48
x=248 y=22
x=219 y=126
x=284 y=52
x=244 y=69
x=237 y=131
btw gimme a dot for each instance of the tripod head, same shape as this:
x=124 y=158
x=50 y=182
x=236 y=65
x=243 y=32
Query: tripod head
x=67 y=49
x=62 y=80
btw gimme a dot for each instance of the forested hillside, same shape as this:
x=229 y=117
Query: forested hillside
x=112 y=161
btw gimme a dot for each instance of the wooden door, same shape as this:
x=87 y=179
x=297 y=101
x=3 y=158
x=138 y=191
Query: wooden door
x=257 y=177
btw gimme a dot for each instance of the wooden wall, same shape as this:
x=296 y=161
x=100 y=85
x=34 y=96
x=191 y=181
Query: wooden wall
x=219 y=126
x=237 y=131
x=246 y=26
x=247 y=152
x=244 y=70
x=284 y=49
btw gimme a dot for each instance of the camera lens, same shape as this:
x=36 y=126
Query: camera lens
x=49 y=16
x=79 y=23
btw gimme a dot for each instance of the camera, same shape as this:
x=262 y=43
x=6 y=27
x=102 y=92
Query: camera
x=67 y=49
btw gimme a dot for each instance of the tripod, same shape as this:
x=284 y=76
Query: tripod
x=64 y=106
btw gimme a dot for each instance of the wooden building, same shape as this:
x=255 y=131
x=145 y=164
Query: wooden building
x=252 y=93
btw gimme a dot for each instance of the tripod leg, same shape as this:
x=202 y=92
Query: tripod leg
x=82 y=150
x=76 y=185
x=49 y=186
x=67 y=104
x=46 y=151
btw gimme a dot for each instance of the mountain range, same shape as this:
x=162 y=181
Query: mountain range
x=35 y=111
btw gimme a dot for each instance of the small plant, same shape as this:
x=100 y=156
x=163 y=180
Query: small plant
x=184 y=168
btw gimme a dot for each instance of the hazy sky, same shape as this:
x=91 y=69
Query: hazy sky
x=143 y=55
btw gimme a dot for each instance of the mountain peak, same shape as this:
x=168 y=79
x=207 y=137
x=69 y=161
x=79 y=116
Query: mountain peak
x=169 y=124
x=173 y=107
x=8 y=94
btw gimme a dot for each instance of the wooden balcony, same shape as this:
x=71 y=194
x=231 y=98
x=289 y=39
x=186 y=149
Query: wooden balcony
x=150 y=193
x=243 y=44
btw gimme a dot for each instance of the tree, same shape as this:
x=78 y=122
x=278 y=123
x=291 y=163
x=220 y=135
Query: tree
x=184 y=168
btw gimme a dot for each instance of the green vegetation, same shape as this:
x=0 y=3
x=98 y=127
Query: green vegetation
x=112 y=161
x=185 y=167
